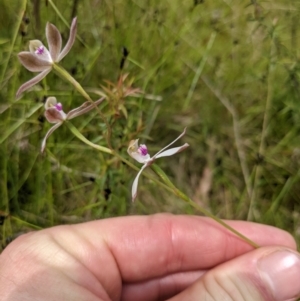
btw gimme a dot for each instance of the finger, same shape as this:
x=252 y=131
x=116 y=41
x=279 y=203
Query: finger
x=158 y=245
x=160 y=288
x=268 y=273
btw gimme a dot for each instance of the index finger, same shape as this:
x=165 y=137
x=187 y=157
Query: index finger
x=145 y=247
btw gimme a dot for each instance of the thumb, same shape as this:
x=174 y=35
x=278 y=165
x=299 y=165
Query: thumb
x=265 y=274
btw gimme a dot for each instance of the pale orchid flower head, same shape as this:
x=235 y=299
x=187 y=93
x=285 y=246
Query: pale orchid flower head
x=40 y=59
x=140 y=154
x=54 y=114
x=54 y=111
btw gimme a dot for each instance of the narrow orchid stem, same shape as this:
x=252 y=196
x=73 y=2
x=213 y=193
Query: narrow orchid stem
x=61 y=71
x=74 y=130
x=30 y=225
x=185 y=198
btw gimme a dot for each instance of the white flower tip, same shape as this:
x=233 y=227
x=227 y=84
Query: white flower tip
x=43 y=146
x=135 y=183
x=183 y=133
x=134 y=198
x=19 y=93
x=184 y=146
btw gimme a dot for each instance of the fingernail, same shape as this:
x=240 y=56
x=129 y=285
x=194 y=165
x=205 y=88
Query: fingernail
x=281 y=272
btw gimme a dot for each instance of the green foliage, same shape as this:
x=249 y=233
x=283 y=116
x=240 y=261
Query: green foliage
x=227 y=71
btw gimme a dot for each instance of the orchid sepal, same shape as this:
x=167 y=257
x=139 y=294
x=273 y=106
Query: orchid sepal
x=32 y=82
x=32 y=63
x=54 y=41
x=51 y=130
x=84 y=108
x=71 y=40
x=172 y=151
x=135 y=183
x=182 y=134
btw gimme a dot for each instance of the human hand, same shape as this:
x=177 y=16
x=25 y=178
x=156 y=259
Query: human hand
x=146 y=258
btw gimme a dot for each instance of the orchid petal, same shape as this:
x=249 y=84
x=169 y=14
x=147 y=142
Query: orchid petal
x=135 y=183
x=54 y=41
x=71 y=40
x=54 y=116
x=84 y=108
x=32 y=62
x=155 y=156
x=50 y=102
x=32 y=82
x=48 y=134
x=171 y=151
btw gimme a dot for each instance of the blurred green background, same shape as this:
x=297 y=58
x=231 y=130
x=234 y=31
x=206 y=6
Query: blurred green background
x=226 y=70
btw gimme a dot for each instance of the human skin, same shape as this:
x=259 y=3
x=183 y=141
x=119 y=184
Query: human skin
x=151 y=258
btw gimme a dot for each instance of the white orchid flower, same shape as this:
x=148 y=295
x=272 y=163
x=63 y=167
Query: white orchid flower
x=54 y=114
x=40 y=59
x=140 y=154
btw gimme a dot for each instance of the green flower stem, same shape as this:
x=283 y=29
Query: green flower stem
x=25 y=223
x=180 y=194
x=62 y=72
x=75 y=131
